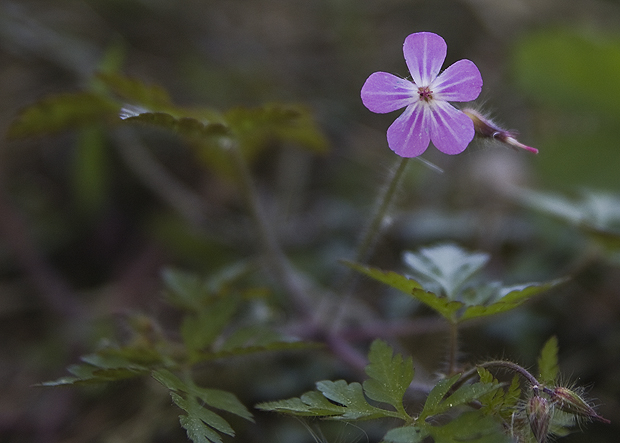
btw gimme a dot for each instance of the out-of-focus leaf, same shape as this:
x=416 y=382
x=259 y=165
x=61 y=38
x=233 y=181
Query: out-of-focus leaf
x=136 y=91
x=185 y=126
x=509 y=298
x=185 y=290
x=277 y=122
x=61 y=112
x=250 y=336
x=390 y=376
x=206 y=355
x=397 y=281
x=445 y=267
x=201 y=329
x=548 y=361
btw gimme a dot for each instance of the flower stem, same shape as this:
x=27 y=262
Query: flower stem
x=499 y=364
x=384 y=202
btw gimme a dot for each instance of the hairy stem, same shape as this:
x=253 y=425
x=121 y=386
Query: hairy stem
x=384 y=202
x=498 y=364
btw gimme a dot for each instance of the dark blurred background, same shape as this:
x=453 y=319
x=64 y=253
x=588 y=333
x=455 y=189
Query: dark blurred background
x=84 y=237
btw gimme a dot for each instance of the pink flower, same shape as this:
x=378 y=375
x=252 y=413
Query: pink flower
x=428 y=115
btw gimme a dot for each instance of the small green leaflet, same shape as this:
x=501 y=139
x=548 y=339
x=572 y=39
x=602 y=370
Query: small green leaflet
x=60 y=112
x=438 y=403
x=389 y=376
x=202 y=424
x=500 y=402
x=548 y=362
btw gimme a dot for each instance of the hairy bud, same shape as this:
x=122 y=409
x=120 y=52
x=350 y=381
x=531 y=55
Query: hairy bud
x=538 y=412
x=486 y=128
x=569 y=401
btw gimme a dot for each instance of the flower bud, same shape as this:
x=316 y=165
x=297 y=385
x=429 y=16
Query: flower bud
x=487 y=129
x=538 y=412
x=569 y=401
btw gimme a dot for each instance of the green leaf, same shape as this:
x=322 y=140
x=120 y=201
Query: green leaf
x=187 y=127
x=466 y=394
x=447 y=308
x=196 y=412
x=256 y=126
x=390 y=376
x=185 y=290
x=57 y=113
x=406 y=434
x=444 y=306
x=445 y=268
x=548 y=361
x=509 y=298
x=312 y=404
x=439 y=391
x=169 y=380
x=223 y=400
x=397 y=281
x=352 y=397
x=136 y=91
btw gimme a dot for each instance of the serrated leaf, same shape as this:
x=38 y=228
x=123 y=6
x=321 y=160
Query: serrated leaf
x=169 y=380
x=405 y=434
x=195 y=411
x=466 y=394
x=445 y=267
x=57 y=113
x=197 y=431
x=548 y=361
x=312 y=404
x=352 y=397
x=509 y=298
x=224 y=400
x=439 y=391
x=187 y=127
x=390 y=376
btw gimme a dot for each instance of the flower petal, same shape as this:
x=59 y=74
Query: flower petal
x=385 y=92
x=451 y=130
x=461 y=82
x=409 y=135
x=424 y=53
